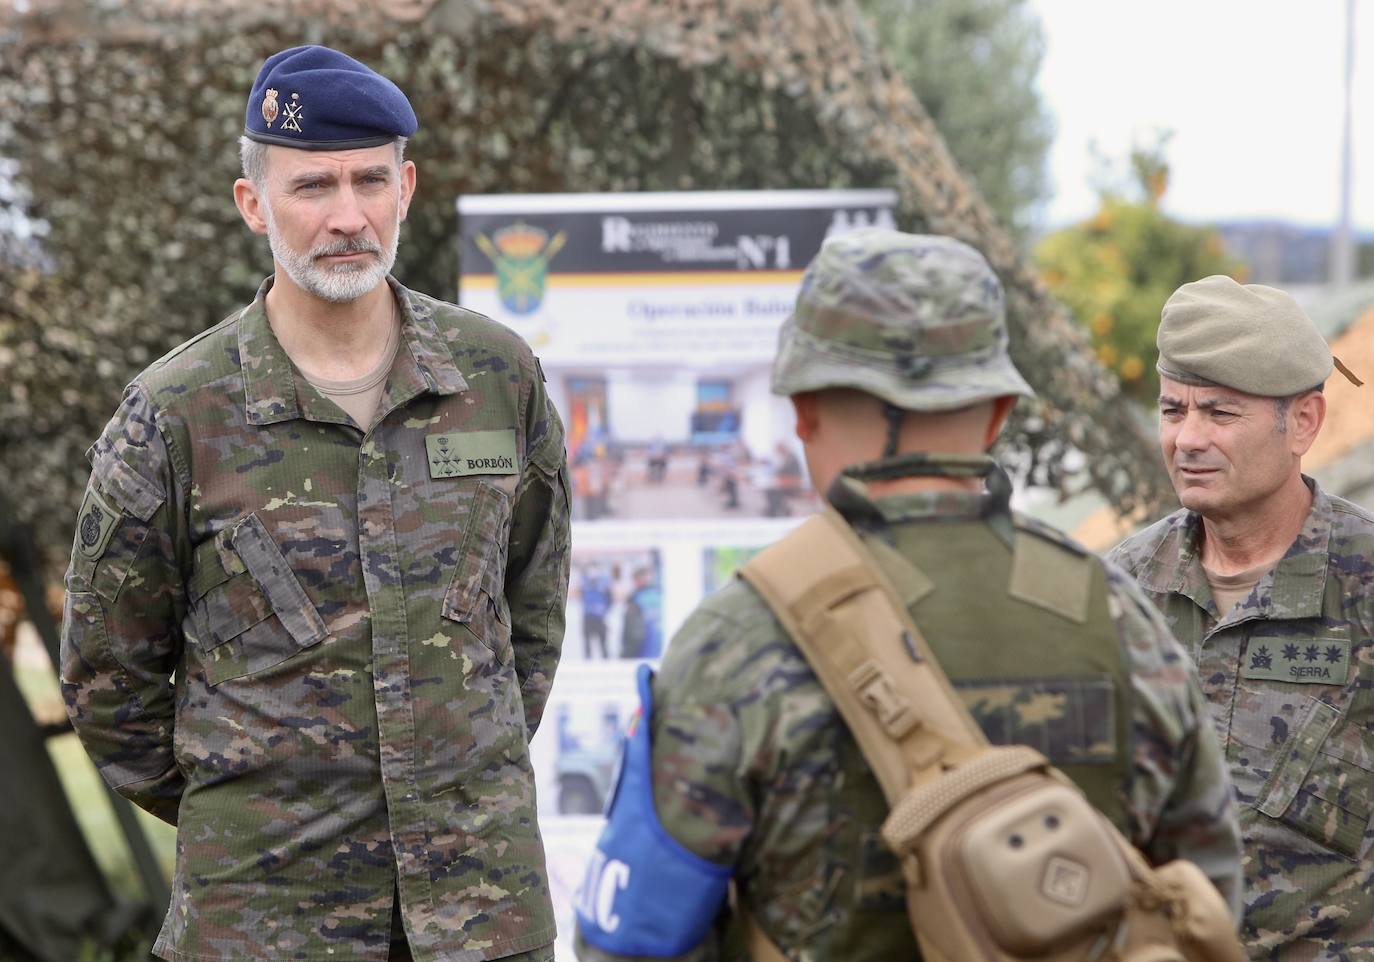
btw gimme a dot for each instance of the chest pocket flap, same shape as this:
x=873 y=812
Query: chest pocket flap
x=476 y=595
x=1324 y=797
x=252 y=611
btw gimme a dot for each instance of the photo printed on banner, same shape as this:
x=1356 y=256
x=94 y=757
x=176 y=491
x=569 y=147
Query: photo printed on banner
x=615 y=605
x=654 y=443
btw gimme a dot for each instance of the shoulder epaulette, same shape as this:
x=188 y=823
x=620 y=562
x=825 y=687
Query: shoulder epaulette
x=1048 y=532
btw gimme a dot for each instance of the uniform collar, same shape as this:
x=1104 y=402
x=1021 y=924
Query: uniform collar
x=849 y=493
x=1294 y=588
x=270 y=383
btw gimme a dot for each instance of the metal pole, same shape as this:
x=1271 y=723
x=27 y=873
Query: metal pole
x=16 y=546
x=155 y=885
x=1342 y=241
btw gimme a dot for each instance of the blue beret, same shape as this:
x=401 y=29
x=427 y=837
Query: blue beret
x=315 y=98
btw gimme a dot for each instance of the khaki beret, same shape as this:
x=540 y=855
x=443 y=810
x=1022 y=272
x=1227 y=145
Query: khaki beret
x=1247 y=337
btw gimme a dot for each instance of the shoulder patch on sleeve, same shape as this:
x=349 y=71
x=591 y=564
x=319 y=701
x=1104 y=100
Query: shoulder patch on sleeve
x=95 y=524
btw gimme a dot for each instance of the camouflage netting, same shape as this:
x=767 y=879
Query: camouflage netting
x=125 y=148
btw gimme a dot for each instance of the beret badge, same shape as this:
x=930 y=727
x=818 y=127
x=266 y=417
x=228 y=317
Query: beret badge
x=294 y=112
x=269 y=107
x=351 y=105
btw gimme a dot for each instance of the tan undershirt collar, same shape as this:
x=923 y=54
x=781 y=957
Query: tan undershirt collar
x=1229 y=590
x=359 y=396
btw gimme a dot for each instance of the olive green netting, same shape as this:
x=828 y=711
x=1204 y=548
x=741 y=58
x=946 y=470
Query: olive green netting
x=125 y=147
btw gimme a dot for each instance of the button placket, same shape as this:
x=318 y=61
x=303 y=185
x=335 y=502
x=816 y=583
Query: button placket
x=380 y=559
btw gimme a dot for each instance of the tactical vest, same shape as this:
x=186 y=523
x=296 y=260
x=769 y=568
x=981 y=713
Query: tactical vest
x=1003 y=858
x=1018 y=619
x=1061 y=687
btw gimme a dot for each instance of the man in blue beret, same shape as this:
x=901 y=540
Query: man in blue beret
x=316 y=596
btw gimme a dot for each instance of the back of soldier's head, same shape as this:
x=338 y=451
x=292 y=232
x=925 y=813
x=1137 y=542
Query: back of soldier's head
x=916 y=320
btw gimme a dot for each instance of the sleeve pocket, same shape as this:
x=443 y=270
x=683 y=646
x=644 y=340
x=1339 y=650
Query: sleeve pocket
x=136 y=501
x=252 y=612
x=134 y=493
x=476 y=597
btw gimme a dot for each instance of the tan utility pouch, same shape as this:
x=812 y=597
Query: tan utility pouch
x=1004 y=857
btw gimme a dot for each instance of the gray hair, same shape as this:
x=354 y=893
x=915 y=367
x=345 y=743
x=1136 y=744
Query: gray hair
x=253 y=157
x=1282 y=404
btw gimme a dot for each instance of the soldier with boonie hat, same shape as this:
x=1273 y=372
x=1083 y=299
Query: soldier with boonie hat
x=918 y=321
x=1267 y=578
x=896 y=363
x=316 y=597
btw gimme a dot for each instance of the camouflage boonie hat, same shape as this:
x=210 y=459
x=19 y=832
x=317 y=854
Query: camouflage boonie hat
x=914 y=319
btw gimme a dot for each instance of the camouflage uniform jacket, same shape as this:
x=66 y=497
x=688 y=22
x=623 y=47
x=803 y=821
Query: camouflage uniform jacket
x=754 y=767
x=1289 y=673
x=321 y=651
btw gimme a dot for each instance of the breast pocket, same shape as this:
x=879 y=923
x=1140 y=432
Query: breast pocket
x=1299 y=732
x=476 y=595
x=249 y=607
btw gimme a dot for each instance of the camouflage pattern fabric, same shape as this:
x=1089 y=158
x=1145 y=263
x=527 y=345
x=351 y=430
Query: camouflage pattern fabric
x=1289 y=673
x=320 y=651
x=754 y=767
x=915 y=319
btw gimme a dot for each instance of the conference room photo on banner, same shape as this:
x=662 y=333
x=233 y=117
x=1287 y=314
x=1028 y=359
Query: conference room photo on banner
x=615 y=605
x=659 y=443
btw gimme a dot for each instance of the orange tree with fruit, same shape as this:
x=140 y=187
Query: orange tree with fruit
x=1115 y=270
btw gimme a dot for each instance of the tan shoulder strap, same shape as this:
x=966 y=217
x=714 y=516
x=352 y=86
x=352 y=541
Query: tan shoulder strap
x=925 y=749
x=846 y=617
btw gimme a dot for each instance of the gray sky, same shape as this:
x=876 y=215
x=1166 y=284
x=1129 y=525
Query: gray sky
x=1252 y=91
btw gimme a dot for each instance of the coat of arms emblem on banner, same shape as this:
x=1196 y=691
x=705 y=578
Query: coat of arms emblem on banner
x=521 y=254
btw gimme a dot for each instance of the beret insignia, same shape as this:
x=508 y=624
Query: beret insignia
x=294 y=112
x=269 y=107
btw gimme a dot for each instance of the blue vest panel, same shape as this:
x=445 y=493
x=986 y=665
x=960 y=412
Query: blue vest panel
x=644 y=893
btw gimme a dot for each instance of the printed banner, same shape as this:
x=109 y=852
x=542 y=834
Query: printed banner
x=691 y=278
x=655 y=317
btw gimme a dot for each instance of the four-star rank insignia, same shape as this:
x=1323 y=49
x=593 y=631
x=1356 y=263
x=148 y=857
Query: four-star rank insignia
x=269 y=107
x=1308 y=661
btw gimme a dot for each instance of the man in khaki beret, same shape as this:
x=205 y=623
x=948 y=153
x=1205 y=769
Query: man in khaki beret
x=1270 y=582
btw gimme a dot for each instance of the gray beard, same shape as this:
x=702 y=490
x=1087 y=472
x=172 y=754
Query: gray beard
x=338 y=283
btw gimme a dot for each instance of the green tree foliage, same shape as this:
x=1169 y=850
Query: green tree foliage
x=973 y=64
x=1115 y=270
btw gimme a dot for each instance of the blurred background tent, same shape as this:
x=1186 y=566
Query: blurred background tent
x=118 y=238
